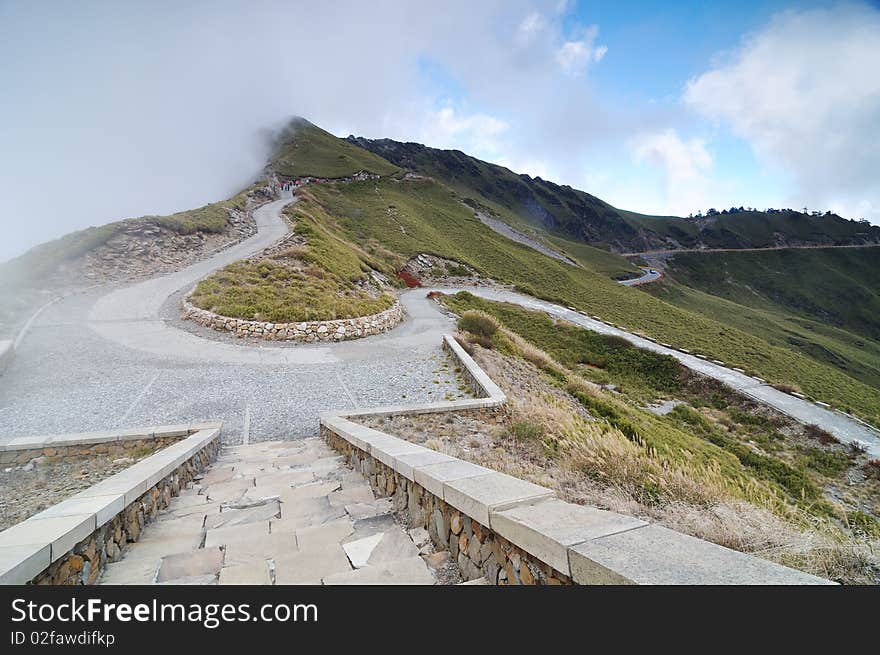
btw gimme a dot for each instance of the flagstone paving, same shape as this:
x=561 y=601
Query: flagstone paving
x=284 y=512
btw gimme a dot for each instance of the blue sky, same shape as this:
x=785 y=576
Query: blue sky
x=156 y=106
x=650 y=51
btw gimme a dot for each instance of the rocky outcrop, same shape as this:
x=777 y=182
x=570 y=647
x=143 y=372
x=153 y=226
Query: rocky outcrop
x=305 y=331
x=144 y=248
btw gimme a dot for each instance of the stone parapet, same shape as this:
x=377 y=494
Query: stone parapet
x=305 y=331
x=510 y=531
x=71 y=542
x=115 y=443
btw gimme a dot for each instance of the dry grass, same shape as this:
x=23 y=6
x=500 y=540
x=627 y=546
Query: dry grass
x=548 y=438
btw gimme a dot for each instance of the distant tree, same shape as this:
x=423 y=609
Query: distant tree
x=711 y=211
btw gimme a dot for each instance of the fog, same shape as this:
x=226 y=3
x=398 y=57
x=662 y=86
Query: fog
x=113 y=110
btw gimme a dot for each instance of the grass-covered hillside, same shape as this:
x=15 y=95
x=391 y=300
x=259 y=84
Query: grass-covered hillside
x=822 y=303
x=393 y=220
x=567 y=212
x=840 y=286
x=314 y=277
x=304 y=149
x=611 y=425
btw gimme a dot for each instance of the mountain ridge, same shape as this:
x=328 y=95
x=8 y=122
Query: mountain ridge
x=564 y=211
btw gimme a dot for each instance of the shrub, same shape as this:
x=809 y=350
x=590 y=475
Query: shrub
x=823 y=436
x=526 y=430
x=478 y=323
x=457 y=270
x=863 y=522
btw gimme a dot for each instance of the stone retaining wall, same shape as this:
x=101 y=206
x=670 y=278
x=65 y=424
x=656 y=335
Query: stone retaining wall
x=70 y=543
x=477 y=550
x=306 y=331
x=514 y=532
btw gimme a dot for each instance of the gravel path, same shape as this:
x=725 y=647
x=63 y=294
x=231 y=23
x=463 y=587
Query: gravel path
x=99 y=360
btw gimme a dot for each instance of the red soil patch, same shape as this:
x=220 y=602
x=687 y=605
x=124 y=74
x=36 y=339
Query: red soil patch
x=409 y=279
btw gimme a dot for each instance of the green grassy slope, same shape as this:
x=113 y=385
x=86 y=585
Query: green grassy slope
x=577 y=215
x=823 y=303
x=315 y=281
x=836 y=286
x=595 y=259
x=393 y=220
x=305 y=149
x=754 y=229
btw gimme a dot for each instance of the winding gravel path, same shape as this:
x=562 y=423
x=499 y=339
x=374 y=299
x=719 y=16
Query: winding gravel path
x=102 y=360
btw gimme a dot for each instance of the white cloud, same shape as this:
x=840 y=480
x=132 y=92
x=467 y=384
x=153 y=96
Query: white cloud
x=805 y=92
x=574 y=56
x=477 y=132
x=686 y=166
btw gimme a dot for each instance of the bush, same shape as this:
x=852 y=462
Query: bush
x=526 y=430
x=478 y=323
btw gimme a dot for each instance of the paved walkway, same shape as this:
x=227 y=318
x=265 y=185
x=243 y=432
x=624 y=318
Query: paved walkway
x=275 y=513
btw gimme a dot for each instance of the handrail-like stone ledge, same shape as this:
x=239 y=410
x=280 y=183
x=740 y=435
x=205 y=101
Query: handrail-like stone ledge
x=109 y=436
x=30 y=547
x=340 y=329
x=583 y=544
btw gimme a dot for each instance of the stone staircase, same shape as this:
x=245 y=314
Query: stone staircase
x=286 y=512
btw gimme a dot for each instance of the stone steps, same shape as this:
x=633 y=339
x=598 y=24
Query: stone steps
x=275 y=513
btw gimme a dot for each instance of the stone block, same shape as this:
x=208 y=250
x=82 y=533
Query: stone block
x=103 y=507
x=385 y=450
x=269 y=509
x=407 y=463
x=323 y=536
x=135 y=572
x=19 y=564
x=433 y=476
x=228 y=534
x=202 y=562
x=310 y=566
x=251 y=573
x=657 y=555
x=477 y=496
x=356 y=494
x=547 y=529
x=411 y=571
x=62 y=533
x=243 y=549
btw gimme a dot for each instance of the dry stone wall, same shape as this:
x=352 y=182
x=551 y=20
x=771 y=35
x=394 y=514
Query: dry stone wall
x=85 y=561
x=306 y=331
